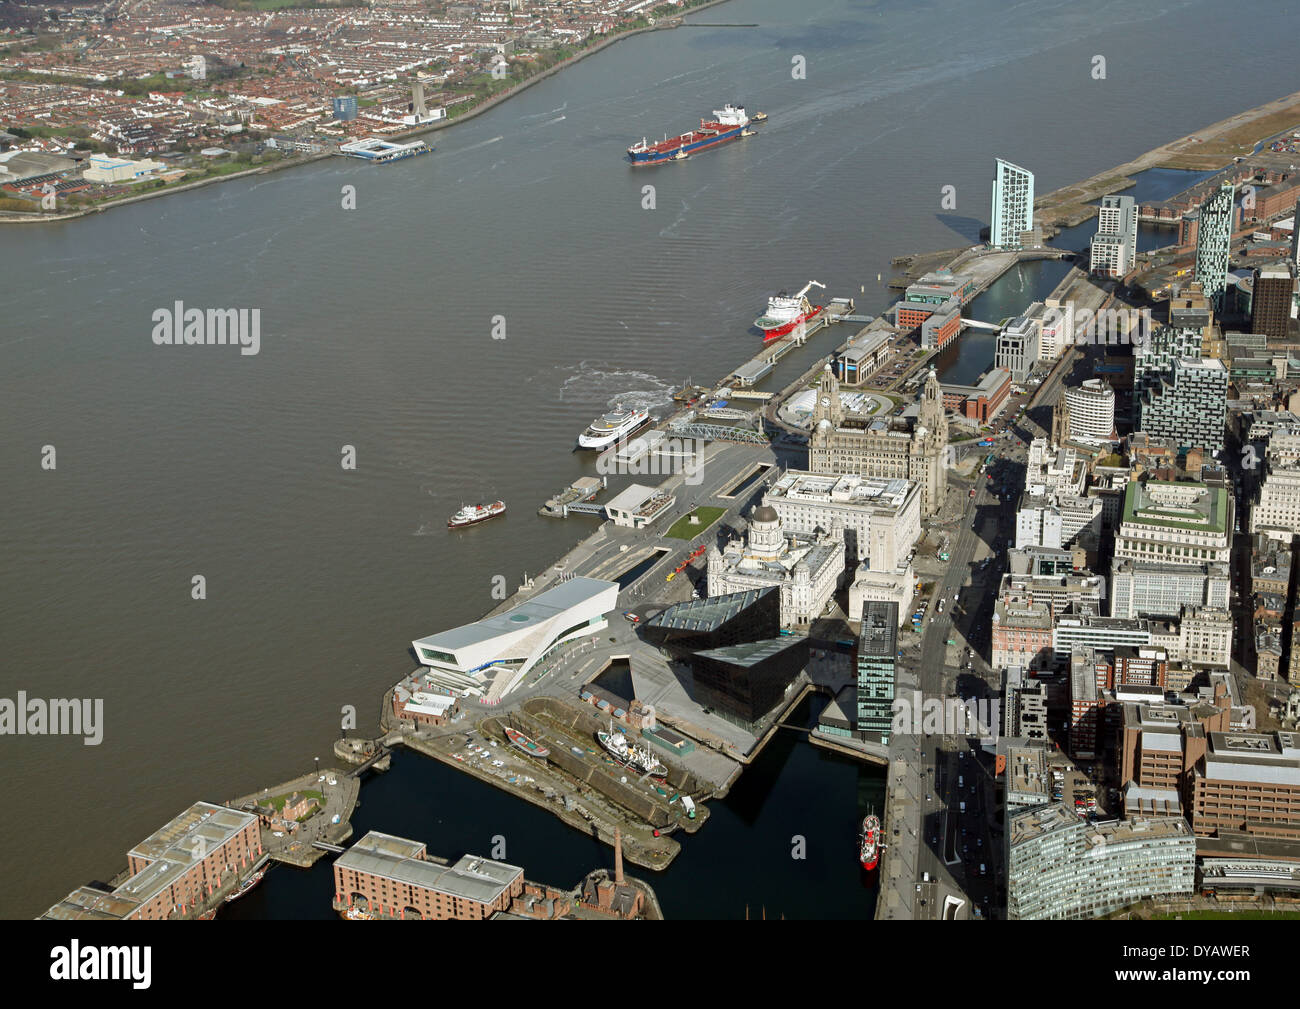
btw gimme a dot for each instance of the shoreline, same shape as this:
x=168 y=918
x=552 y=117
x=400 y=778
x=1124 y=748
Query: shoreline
x=1143 y=162
x=21 y=217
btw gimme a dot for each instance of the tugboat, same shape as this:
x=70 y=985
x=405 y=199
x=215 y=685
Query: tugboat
x=869 y=846
x=473 y=514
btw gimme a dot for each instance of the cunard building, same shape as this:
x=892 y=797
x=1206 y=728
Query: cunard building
x=908 y=448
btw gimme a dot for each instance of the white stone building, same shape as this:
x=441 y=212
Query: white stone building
x=807 y=570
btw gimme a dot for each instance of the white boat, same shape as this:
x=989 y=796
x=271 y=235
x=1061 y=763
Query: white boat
x=473 y=514
x=612 y=427
x=642 y=761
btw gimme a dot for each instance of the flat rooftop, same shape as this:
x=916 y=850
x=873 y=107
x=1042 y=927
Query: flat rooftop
x=211 y=824
x=471 y=878
x=1173 y=505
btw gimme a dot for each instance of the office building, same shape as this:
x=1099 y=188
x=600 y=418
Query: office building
x=1189 y=406
x=876 y=660
x=1213 y=241
x=1022 y=632
x=1013 y=205
x=806 y=569
x=1091 y=410
x=1270 y=312
x=744 y=682
x=1151 y=589
x=1024 y=708
x=1276 y=512
x=906 y=448
x=1017 y=346
x=1114 y=247
x=880 y=516
x=1165 y=522
x=1248 y=782
x=730 y=619
x=1061 y=866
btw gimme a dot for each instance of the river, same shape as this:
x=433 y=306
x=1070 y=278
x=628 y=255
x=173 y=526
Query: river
x=377 y=331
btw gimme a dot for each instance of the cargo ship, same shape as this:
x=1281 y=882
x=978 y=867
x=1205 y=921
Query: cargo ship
x=869 y=848
x=612 y=427
x=529 y=746
x=473 y=514
x=728 y=123
x=784 y=312
x=642 y=761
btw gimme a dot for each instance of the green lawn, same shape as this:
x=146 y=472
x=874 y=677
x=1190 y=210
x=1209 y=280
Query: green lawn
x=277 y=803
x=682 y=529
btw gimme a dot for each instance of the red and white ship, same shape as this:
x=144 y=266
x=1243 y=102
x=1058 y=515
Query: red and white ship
x=869 y=849
x=475 y=513
x=784 y=313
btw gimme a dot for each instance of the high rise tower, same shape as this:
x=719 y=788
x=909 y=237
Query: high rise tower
x=1213 y=239
x=1013 y=205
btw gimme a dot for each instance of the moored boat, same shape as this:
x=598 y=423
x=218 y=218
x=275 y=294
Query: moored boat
x=869 y=845
x=247 y=885
x=614 y=426
x=784 y=312
x=640 y=760
x=529 y=746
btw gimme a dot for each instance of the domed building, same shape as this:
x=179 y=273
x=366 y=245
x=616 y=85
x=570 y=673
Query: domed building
x=910 y=448
x=806 y=569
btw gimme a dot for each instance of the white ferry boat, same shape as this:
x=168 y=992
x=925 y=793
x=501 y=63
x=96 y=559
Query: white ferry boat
x=613 y=426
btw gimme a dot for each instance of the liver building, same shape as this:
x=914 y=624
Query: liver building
x=910 y=447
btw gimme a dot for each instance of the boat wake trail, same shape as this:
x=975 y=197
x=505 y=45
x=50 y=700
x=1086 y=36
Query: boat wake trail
x=475 y=147
x=588 y=381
